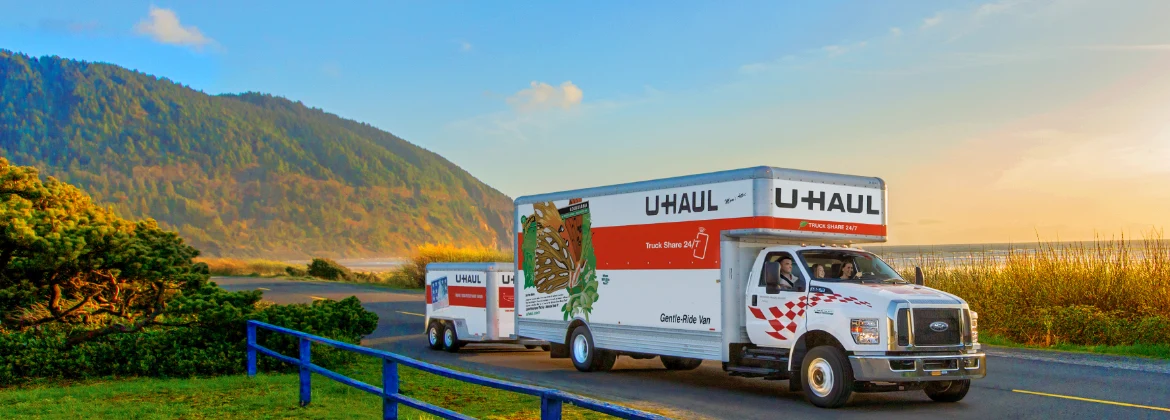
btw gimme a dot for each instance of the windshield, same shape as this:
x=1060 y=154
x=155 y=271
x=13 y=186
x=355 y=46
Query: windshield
x=848 y=265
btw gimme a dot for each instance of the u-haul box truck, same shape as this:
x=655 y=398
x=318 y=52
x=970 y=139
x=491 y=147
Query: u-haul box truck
x=757 y=268
x=471 y=302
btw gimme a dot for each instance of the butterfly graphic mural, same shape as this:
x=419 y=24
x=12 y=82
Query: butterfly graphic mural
x=557 y=247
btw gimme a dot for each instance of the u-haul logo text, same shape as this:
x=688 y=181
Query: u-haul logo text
x=819 y=200
x=467 y=279
x=693 y=202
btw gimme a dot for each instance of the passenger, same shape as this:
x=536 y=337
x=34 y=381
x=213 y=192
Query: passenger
x=786 y=274
x=818 y=271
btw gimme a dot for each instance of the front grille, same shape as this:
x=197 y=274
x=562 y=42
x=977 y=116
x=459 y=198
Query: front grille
x=903 y=327
x=925 y=336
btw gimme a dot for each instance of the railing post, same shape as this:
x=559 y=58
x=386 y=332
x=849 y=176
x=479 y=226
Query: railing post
x=550 y=406
x=389 y=387
x=251 y=349
x=306 y=375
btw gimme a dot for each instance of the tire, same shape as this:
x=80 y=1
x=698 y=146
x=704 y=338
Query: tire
x=680 y=363
x=827 y=377
x=546 y=347
x=435 y=336
x=451 y=340
x=948 y=391
x=586 y=357
x=530 y=347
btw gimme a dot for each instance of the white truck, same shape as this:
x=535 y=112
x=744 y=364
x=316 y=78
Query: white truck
x=471 y=303
x=757 y=268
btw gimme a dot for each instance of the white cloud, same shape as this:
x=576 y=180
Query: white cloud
x=896 y=31
x=544 y=96
x=836 y=50
x=464 y=46
x=163 y=26
x=932 y=21
x=989 y=9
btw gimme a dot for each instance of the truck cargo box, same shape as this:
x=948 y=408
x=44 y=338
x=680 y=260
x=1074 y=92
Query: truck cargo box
x=640 y=262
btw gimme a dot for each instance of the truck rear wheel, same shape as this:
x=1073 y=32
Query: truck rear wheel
x=827 y=377
x=948 y=391
x=451 y=339
x=435 y=336
x=680 y=363
x=585 y=356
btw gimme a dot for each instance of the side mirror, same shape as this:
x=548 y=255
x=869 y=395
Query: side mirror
x=918 y=279
x=772 y=277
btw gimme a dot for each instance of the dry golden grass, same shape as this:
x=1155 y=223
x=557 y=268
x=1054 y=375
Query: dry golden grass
x=1108 y=292
x=413 y=273
x=239 y=267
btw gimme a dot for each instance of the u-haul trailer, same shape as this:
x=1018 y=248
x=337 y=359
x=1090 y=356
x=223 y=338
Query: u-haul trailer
x=756 y=268
x=471 y=303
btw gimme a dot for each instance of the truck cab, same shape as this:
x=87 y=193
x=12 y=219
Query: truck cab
x=835 y=319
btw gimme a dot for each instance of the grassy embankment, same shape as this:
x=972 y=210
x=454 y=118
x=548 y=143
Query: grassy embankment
x=1105 y=297
x=265 y=396
x=410 y=275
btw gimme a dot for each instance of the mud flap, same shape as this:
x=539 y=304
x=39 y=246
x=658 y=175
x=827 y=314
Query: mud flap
x=558 y=351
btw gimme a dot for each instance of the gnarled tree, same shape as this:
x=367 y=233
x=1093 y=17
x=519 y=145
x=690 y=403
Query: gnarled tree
x=67 y=261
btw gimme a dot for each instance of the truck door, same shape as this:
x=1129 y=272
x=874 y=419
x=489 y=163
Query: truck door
x=775 y=313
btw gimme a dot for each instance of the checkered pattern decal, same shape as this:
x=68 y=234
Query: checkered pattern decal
x=784 y=320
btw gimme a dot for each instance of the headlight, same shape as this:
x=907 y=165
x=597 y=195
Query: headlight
x=974 y=327
x=864 y=330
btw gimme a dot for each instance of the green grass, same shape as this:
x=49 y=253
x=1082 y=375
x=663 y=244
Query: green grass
x=1155 y=351
x=264 y=396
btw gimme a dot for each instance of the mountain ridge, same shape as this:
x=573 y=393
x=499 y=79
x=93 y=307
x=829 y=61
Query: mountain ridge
x=243 y=175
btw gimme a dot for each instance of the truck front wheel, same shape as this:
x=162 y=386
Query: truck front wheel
x=585 y=356
x=827 y=377
x=435 y=336
x=948 y=391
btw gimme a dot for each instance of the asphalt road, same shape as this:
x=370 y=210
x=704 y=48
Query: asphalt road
x=1019 y=384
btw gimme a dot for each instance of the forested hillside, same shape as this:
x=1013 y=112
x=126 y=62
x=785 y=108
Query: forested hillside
x=238 y=175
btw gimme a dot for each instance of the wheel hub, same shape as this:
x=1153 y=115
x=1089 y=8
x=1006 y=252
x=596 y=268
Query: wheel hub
x=580 y=349
x=820 y=376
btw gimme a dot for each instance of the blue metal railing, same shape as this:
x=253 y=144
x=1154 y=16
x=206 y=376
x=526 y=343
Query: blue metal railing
x=551 y=400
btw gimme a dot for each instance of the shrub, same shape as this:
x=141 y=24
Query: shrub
x=216 y=346
x=296 y=272
x=328 y=269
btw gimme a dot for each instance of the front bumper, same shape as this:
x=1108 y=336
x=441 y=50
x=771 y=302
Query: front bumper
x=917 y=368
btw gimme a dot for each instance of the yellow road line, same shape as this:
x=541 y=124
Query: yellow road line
x=410 y=313
x=317 y=298
x=1092 y=400
x=263 y=288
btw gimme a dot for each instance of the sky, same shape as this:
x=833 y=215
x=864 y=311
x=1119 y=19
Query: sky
x=1001 y=121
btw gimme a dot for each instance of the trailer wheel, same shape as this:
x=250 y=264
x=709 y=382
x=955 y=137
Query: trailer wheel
x=585 y=356
x=451 y=339
x=948 y=391
x=545 y=347
x=435 y=336
x=680 y=363
x=531 y=346
x=827 y=377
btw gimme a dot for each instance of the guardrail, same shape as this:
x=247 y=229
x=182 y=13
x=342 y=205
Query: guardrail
x=551 y=400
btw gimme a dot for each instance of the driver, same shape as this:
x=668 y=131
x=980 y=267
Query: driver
x=847 y=271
